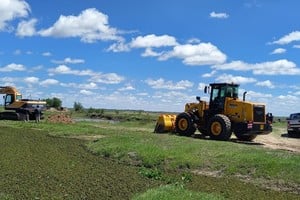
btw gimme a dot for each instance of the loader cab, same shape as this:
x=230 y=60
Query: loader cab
x=218 y=94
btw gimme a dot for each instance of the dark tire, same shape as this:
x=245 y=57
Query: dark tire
x=159 y=128
x=245 y=137
x=291 y=134
x=184 y=124
x=219 y=127
x=203 y=131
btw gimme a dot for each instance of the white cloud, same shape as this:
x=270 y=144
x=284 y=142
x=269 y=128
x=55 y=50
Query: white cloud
x=266 y=83
x=12 y=67
x=201 y=86
x=63 y=69
x=278 y=51
x=127 y=87
x=86 y=92
x=49 y=82
x=208 y=75
x=198 y=54
x=47 y=54
x=297 y=46
x=96 y=77
x=109 y=78
x=169 y=85
x=10 y=10
x=153 y=41
x=26 y=28
x=150 y=53
x=278 y=67
x=119 y=47
x=31 y=80
x=17 y=52
x=69 y=61
x=90 y=25
x=291 y=37
x=228 y=78
x=218 y=15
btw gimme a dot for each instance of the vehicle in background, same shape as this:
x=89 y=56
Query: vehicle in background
x=293 y=124
x=18 y=108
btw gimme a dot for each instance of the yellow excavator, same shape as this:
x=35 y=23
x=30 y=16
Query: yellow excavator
x=223 y=115
x=18 y=108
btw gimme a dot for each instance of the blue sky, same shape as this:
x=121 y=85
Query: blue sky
x=151 y=55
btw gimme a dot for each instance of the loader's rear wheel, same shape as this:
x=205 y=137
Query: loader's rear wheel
x=244 y=137
x=184 y=124
x=219 y=127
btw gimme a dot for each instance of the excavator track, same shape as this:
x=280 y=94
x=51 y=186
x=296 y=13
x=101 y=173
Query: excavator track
x=9 y=116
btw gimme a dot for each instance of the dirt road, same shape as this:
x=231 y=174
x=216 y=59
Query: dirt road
x=279 y=139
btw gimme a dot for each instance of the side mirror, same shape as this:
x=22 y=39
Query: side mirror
x=198 y=98
x=205 y=89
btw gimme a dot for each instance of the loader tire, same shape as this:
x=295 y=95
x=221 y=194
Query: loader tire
x=245 y=137
x=184 y=124
x=219 y=127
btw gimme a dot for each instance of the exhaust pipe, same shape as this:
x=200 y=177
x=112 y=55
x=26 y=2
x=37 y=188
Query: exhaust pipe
x=244 y=96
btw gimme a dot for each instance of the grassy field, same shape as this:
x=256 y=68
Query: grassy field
x=124 y=159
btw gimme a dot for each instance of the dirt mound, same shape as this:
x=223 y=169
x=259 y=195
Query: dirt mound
x=60 y=118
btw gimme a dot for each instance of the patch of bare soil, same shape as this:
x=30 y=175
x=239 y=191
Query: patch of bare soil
x=279 y=141
x=87 y=137
x=60 y=118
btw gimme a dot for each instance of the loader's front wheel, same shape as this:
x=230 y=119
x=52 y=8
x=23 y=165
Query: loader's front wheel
x=219 y=127
x=184 y=124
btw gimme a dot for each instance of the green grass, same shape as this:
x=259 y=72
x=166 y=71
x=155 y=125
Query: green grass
x=240 y=169
x=175 y=192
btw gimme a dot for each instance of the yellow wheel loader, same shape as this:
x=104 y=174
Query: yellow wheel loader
x=223 y=115
x=18 y=108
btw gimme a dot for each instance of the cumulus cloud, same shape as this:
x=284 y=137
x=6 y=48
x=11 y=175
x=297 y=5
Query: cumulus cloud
x=109 y=78
x=150 y=53
x=278 y=51
x=127 y=87
x=69 y=61
x=291 y=37
x=153 y=41
x=12 y=67
x=47 y=54
x=119 y=47
x=196 y=54
x=278 y=67
x=26 y=28
x=10 y=10
x=97 y=77
x=49 y=82
x=218 y=15
x=31 y=80
x=169 y=85
x=228 y=78
x=266 y=83
x=86 y=92
x=208 y=75
x=64 y=69
x=201 y=86
x=90 y=26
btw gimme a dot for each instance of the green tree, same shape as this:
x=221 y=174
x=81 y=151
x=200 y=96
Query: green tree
x=78 y=106
x=54 y=102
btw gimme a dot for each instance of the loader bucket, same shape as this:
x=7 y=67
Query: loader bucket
x=165 y=123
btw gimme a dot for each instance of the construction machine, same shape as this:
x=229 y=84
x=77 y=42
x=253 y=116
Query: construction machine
x=223 y=115
x=18 y=108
